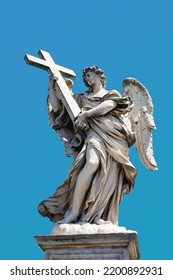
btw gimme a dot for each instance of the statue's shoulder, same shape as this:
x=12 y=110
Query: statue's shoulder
x=112 y=94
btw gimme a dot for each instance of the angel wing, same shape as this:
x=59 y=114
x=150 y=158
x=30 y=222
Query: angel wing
x=141 y=120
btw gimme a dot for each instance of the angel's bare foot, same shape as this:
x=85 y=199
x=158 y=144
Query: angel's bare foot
x=71 y=217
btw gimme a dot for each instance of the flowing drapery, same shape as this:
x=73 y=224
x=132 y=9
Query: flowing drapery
x=115 y=175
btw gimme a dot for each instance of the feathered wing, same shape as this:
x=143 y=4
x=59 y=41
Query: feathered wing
x=141 y=120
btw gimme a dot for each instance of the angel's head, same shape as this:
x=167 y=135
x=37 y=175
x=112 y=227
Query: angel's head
x=92 y=75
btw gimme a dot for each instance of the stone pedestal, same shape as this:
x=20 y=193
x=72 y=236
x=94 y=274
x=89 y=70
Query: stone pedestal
x=113 y=246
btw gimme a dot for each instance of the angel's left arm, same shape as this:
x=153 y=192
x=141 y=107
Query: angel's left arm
x=111 y=101
x=101 y=109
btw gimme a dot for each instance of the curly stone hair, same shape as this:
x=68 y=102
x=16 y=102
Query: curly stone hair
x=98 y=72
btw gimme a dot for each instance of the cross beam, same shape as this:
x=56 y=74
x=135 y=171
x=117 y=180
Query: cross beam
x=46 y=62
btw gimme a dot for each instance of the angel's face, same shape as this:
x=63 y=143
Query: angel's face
x=92 y=79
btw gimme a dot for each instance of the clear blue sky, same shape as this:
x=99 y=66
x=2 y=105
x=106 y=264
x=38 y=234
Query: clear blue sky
x=124 y=38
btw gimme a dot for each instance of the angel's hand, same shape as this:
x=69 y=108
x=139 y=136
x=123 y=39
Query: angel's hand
x=81 y=122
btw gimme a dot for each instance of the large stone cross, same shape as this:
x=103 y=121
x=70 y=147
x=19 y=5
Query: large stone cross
x=46 y=62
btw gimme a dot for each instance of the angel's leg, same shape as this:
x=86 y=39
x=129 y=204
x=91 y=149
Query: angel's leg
x=83 y=183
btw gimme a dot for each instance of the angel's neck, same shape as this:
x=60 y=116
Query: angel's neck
x=97 y=87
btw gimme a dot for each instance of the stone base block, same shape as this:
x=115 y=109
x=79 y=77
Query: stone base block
x=113 y=246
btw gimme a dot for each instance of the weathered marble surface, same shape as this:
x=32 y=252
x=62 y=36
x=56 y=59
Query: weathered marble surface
x=101 y=172
x=119 y=246
x=97 y=128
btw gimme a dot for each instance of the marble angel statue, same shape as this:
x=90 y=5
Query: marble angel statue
x=101 y=172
